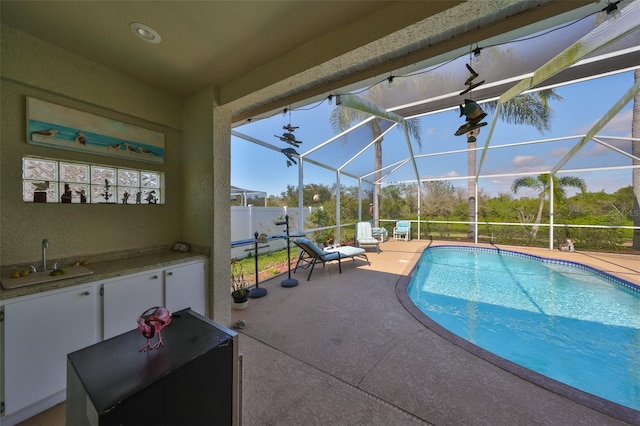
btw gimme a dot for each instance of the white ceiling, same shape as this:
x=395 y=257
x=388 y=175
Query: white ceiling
x=263 y=55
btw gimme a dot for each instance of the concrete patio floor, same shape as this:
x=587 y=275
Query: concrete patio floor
x=341 y=349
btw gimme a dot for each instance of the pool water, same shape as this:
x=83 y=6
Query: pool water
x=560 y=319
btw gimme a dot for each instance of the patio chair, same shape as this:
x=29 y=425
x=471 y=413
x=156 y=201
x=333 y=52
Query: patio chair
x=364 y=236
x=402 y=230
x=310 y=254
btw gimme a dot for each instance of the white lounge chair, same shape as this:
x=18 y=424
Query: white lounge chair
x=364 y=236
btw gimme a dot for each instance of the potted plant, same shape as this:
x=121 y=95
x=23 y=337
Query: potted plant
x=239 y=286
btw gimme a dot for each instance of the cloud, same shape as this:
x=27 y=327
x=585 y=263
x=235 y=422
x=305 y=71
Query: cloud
x=619 y=125
x=597 y=150
x=559 y=152
x=527 y=161
x=500 y=186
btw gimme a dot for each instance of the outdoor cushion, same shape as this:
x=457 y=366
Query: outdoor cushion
x=364 y=236
x=351 y=251
x=402 y=230
x=311 y=253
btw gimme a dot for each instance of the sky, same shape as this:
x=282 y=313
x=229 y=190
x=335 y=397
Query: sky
x=441 y=154
x=257 y=168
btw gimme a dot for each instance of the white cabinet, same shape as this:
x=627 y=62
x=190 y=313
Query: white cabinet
x=185 y=287
x=39 y=332
x=127 y=297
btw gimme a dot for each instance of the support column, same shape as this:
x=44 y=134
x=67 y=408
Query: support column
x=206 y=158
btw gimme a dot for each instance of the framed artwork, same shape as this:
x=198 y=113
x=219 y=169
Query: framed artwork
x=67 y=128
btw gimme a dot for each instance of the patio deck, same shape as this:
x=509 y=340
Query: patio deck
x=341 y=350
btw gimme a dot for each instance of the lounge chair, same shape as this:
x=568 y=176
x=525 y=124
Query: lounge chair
x=310 y=254
x=402 y=230
x=364 y=236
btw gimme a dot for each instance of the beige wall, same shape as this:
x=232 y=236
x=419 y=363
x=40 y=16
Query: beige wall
x=206 y=208
x=197 y=165
x=31 y=67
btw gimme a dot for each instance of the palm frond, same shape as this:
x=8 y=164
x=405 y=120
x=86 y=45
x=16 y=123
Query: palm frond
x=530 y=109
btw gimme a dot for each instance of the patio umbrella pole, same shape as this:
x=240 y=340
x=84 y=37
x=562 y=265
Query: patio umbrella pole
x=257 y=291
x=288 y=282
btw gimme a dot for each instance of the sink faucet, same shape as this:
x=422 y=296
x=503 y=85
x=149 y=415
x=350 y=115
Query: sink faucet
x=45 y=246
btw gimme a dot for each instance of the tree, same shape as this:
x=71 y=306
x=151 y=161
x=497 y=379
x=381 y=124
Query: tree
x=316 y=194
x=290 y=196
x=398 y=205
x=342 y=118
x=439 y=198
x=530 y=109
x=541 y=184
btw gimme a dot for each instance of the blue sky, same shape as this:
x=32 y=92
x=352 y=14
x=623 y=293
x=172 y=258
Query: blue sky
x=583 y=104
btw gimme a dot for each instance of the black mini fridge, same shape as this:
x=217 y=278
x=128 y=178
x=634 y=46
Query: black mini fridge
x=194 y=379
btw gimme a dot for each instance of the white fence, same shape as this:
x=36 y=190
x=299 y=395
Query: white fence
x=247 y=220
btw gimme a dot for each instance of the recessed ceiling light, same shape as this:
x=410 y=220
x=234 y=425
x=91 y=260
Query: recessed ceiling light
x=144 y=32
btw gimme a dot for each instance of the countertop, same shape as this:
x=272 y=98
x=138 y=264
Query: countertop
x=105 y=269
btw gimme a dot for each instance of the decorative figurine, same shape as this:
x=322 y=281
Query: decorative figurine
x=471 y=110
x=473 y=113
x=139 y=197
x=153 y=321
x=151 y=198
x=125 y=197
x=41 y=186
x=66 y=197
x=472 y=136
x=469 y=83
x=289 y=152
x=289 y=138
x=40 y=193
x=106 y=194
x=83 y=196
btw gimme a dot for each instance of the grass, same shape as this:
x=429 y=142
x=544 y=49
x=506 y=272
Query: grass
x=269 y=264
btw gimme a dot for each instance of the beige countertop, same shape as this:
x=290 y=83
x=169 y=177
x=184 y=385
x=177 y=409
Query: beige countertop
x=105 y=269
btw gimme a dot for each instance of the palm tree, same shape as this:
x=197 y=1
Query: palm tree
x=541 y=184
x=342 y=118
x=531 y=109
x=635 y=150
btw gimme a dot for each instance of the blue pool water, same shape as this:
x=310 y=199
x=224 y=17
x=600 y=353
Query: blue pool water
x=561 y=319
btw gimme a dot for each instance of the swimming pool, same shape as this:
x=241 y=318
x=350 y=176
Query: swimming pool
x=567 y=321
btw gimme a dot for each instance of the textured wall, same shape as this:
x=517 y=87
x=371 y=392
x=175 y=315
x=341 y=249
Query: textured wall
x=206 y=209
x=31 y=67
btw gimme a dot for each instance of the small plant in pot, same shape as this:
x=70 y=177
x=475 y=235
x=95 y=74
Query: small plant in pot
x=239 y=286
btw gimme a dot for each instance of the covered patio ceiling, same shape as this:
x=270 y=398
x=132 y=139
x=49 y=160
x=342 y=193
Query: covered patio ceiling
x=593 y=46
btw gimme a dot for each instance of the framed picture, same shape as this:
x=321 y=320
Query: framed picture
x=67 y=128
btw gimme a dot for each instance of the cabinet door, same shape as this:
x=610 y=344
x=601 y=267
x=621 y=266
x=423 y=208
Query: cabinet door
x=39 y=333
x=126 y=298
x=185 y=287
